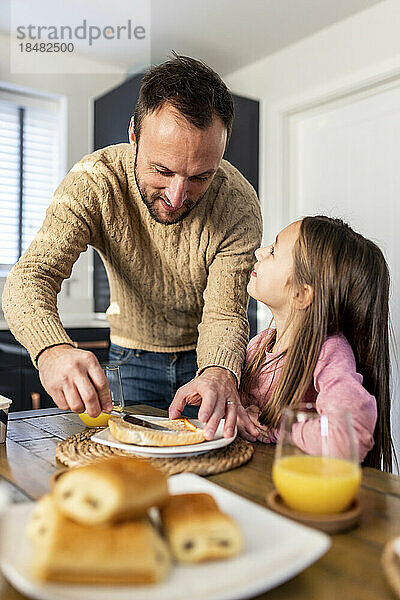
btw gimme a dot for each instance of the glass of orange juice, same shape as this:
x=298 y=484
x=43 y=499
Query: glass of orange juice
x=325 y=479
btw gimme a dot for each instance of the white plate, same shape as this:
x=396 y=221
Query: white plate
x=106 y=437
x=275 y=549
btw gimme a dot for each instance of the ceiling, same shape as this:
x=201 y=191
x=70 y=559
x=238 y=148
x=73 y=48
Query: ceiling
x=230 y=34
x=227 y=34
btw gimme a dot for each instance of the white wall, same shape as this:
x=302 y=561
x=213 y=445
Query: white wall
x=336 y=60
x=330 y=74
x=77 y=92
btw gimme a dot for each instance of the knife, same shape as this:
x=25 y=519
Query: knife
x=148 y=424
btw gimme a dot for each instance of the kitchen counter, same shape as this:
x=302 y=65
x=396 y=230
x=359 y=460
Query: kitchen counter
x=19 y=377
x=72 y=322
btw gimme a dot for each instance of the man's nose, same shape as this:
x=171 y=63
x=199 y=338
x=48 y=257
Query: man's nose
x=176 y=191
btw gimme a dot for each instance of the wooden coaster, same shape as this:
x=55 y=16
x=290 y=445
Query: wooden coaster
x=329 y=523
x=391 y=566
x=79 y=450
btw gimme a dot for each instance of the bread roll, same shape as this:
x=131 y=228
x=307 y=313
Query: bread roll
x=123 y=553
x=110 y=490
x=142 y=436
x=197 y=530
x=38 y=524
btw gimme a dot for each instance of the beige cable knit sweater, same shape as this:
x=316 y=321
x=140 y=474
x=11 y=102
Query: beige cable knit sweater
x=173 y=287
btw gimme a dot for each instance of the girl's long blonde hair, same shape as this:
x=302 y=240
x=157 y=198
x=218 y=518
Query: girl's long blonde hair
x=350 y=282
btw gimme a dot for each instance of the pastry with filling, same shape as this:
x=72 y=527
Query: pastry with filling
x=183 y=433
x=131 y=552
x=110 y=490
x=197 y=530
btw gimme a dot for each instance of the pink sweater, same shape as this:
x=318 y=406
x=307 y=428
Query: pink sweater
x=336 y=385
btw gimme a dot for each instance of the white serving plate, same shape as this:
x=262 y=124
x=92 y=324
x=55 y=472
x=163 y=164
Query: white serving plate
x=106 y=437
x=275 y=549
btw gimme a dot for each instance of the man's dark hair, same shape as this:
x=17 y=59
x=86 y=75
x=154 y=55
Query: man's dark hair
x=189 y=85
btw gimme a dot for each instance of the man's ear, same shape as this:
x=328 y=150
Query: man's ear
x=132 y=137
x=303 y=297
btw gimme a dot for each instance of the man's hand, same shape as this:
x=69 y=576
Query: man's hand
x=215 y=391
x=74 y=379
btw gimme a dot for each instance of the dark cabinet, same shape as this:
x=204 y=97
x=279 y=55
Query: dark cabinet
x=19 y=380
x=112 y=114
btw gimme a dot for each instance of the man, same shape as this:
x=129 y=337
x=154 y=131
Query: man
x=176 y=228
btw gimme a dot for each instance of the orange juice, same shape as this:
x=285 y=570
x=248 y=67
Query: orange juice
x=315 y=484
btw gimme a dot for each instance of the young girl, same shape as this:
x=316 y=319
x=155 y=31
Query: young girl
x=328 y=290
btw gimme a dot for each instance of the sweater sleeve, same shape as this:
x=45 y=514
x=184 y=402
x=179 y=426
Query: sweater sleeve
x=339 y=387
x=223 y=331
x=30 y=293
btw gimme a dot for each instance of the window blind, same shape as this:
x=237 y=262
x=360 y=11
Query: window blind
x=29 y=170
x=9 y=183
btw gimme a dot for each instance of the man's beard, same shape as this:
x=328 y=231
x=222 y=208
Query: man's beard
x=188 y=205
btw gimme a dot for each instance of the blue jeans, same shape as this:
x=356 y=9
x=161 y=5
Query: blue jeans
x=154 y=377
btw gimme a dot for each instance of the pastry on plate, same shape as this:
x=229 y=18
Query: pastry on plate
x=109 y=490
x=197 y=530
x=182 y=433
x=130 y=552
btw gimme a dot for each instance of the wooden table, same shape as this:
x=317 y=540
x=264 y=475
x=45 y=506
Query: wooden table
x=351 y=569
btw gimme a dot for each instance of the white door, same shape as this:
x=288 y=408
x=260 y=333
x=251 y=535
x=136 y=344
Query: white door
x=345 y=162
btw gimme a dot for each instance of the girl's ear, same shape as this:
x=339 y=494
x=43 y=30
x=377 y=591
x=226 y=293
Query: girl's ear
x=304 y=297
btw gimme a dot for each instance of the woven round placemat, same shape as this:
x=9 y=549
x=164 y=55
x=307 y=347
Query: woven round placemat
x=391 y=567
x=79 y=450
